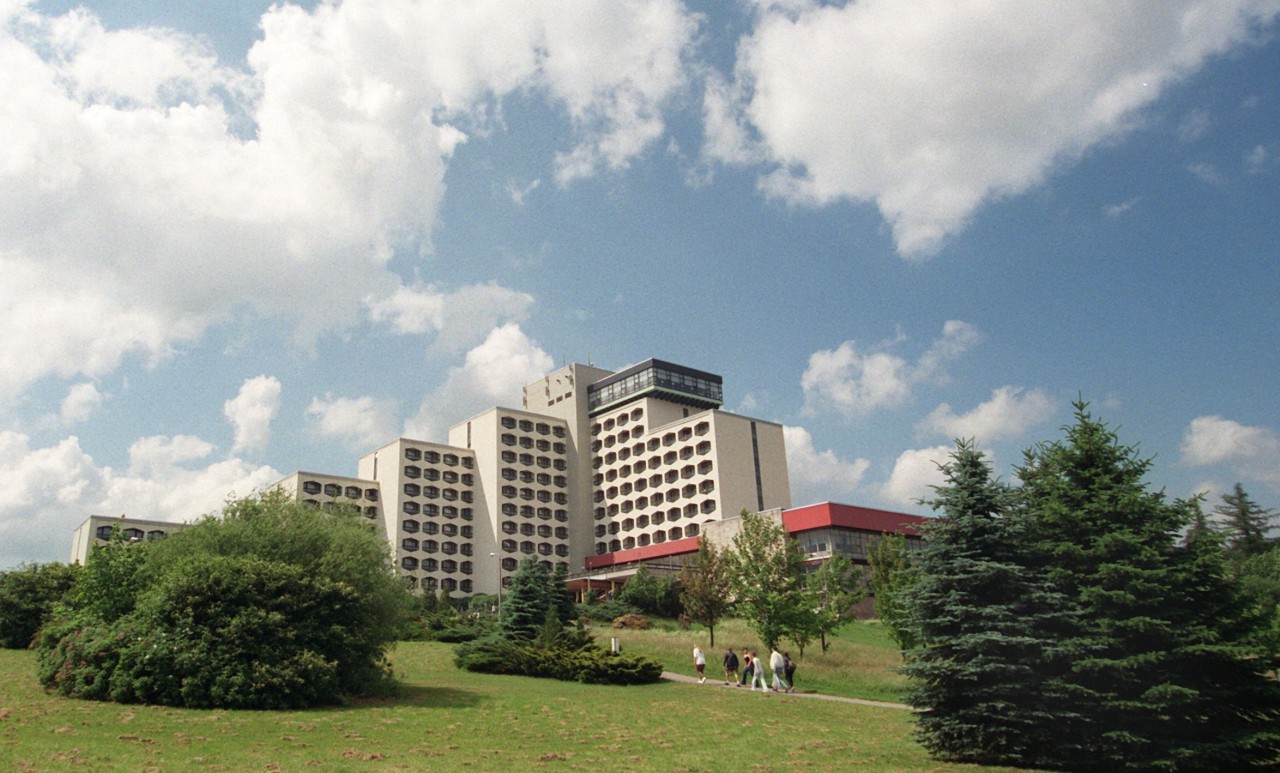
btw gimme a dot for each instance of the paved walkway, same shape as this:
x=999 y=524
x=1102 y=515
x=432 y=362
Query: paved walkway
x=672 y=676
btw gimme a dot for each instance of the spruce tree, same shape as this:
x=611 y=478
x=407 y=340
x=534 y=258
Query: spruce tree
x=1245 y=522
x=985 y=671
x=1159 y=660
x=526 y=603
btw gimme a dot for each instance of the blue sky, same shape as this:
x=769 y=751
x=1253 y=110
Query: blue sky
x=245 y=242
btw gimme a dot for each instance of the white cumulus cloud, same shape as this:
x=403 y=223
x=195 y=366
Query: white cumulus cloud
x=81 y=402
x=914 y=473
x=1010 y=412
x=46 y=492
x=148 y=192
x=251 y=412
x=819 y=476
x=1250 y=452
x=459 y=319
x=493 y=373
x=364 y=423
x=855 y=380
x=931 y=108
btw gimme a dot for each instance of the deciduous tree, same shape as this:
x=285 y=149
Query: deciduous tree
x=705 y=587
x=765 y=567
x=893 y=575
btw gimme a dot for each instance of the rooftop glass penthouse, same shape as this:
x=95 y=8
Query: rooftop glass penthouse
x=656 y=378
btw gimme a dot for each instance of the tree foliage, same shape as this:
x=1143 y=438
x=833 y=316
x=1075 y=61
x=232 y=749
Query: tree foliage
x=833 y=589
x=533 y=639
x=705 y=587
x=1160 y=660
x=28 y=595
x=275 y=604
x=893 y=576
x=765 y=566
x=989 y=628
x=1245 y=523
x=652 y=594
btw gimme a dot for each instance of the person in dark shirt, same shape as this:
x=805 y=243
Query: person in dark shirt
x=730 y=667
x=747 y=665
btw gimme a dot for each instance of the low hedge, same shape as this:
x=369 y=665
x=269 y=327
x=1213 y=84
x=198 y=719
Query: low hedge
x=591 y=665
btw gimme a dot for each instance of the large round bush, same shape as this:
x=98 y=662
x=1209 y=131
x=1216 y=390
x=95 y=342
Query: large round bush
x=272 y=605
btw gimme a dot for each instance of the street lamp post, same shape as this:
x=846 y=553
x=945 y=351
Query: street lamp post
x=494 y=556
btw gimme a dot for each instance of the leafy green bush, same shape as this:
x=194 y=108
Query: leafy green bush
x=27 y=598
x=600 y=666
x=594 y=665
x=606 y=611
x=652 y=594
x=275 y=605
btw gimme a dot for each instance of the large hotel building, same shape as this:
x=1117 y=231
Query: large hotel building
x=594 y=463
x=598 y=471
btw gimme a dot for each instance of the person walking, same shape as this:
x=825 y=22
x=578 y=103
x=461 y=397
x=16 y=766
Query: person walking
x=730 y=667
x=700 y=663
x=778 y=665
x=791 y=671
x=747 y=666
x=757 y=673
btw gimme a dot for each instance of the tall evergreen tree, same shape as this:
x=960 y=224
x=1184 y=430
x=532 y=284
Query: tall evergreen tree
x=526 y=603
x=1245 y=522
x=1199 y=528
x=984 y=674
x=705 y=587
x=562 y=600
x=1159 y=661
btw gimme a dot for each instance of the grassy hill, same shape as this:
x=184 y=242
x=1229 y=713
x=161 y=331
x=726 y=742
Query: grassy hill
x=450 y=720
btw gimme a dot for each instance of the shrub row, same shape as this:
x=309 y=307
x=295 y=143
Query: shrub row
x=592 y=665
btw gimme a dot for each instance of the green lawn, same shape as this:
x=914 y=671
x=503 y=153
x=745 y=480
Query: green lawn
x=449 y=720
x=861 y=661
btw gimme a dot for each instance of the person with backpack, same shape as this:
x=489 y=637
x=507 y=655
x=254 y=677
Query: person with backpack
x=730 y=667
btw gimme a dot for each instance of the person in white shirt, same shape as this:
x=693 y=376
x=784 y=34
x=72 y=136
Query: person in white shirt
x=700 y=663
x=778 y=665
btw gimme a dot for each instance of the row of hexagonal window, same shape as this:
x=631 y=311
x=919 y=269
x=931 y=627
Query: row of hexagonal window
x=314 y=487
x=654 y=443
x=430 y=473
x=430 y=546
x=529 y=529
x=434 y=492
x=528 y=548
x=368 y=512
x=643 y=540
x=410 y=526
x=643 y=521
x=431 y=584
x=525 y=425
x=527 y=511
x=435 y=457
x=529 y=460
x=448 y=511
x=620 y=420
x=528 y=476
x=131 y=534
x=431 y=565
x=528 y=494
x=641 y=483
x=655 y=462
x=527 y=442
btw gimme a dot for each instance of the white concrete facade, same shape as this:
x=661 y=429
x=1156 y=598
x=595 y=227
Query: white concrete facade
x=96 y=530
x=594 y=462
